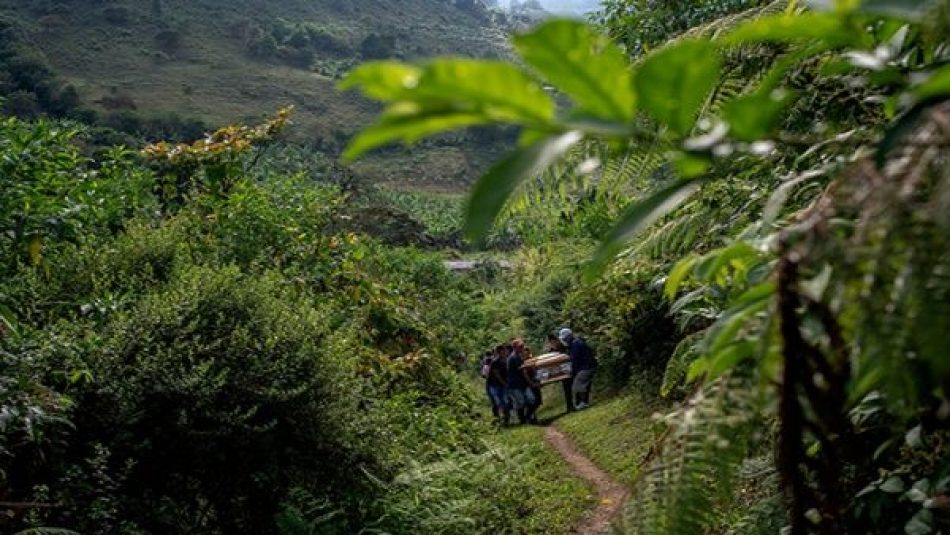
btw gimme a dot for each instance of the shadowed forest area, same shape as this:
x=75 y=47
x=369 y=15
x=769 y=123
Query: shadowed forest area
x=257 y=258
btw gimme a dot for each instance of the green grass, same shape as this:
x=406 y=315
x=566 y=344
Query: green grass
x=615 y=433
x=440 y=212
x=560 y=499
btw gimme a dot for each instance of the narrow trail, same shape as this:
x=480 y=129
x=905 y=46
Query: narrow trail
x=611 y=495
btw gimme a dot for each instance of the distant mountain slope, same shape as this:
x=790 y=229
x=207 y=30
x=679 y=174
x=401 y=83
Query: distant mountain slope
x=233 y=60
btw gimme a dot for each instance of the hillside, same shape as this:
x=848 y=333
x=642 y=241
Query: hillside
x=221 y=62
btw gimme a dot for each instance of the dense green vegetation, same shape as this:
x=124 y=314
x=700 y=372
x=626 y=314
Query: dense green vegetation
x=742 y=205
x=224 y=361
x=771 y=188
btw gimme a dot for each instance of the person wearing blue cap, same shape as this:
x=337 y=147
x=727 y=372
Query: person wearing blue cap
x=583 y=364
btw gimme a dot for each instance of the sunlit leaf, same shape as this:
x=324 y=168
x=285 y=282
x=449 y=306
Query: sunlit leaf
x=789 y=28
x=690 y=165
x=446 y=94
x=893 y=485
x=588 y=67
x=408 y=129
x=673 y=83
x=382 y=80
x=35 y=250
x=493 y=189
x=678 y=274
x=727 y=358
x=696 y=369
x=637 y=217
x=497 y=89
x=723 y=258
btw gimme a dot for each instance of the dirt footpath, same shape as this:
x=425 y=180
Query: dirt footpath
x=610 y=495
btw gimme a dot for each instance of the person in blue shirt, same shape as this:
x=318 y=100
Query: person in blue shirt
x=583 y=365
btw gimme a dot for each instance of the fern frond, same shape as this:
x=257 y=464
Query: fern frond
x=696 y=470
x=685 y=353
x=722 y=25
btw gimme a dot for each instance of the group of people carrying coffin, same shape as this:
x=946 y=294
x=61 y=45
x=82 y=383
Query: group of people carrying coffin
x=513 y=377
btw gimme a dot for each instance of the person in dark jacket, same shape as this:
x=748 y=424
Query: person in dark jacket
x=484 y=369
x=583 y=365
x=519 y=387
x=554 y=345
x=497 y=384
x=533 y=395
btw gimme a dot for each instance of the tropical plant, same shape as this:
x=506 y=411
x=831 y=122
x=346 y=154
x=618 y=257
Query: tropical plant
x=797 y=297
x=53 y=193
x=215 y=163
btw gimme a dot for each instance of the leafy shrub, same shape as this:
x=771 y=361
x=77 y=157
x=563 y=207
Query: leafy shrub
x=276 y=224
x=645 y=24
x=53 y=193
x=215 y=371
x=376 y=46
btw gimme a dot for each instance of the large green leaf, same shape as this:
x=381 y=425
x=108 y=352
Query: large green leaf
x=408 y=129
x=742 y=309
x=679 y=273
x=587 y=66
x=789 y=27
x=497 y=89
x=382 y=80
x=493 y=189
x=720 y=362
x=737 y=256
x=445 y=95
x=639 y=216
x=673 y=83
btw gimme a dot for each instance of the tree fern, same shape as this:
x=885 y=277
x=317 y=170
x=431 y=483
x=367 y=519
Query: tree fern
x=891 y=266
x=759 y=506
x=592 y=177
x=695 y=470
x=684 y=355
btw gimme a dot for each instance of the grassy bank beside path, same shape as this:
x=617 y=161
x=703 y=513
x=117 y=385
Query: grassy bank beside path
x=560 y=499
x=615 y=433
